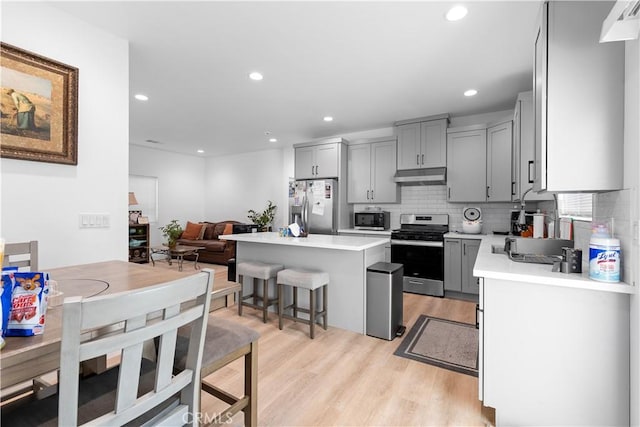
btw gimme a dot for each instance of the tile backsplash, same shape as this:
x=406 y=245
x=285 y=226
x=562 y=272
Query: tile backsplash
x=616 y=205
x=433 y=199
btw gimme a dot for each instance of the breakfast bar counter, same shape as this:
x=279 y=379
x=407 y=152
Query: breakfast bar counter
x=345 y=258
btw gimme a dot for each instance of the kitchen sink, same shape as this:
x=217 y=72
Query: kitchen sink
x=497 y=249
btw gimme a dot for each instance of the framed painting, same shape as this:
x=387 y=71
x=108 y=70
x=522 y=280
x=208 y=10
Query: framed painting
x=39 y=108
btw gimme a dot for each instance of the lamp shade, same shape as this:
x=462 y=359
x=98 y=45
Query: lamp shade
x=132 y=199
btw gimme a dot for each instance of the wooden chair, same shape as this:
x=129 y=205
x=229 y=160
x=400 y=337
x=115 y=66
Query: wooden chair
x=136 y=391
x=225 y=342
x=12 y=250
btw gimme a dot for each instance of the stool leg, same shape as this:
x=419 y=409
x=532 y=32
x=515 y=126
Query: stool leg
x=324 y=306
x=295 y=302
x=312 y=311
x=255 y=294
x=240 y=295
x=265 y=299
x=280 y=304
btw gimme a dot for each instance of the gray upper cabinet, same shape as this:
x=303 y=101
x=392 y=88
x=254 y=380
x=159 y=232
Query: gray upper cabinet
x=370 y=170
x=317 y=161
x=422 y=142
x=578 y=100
x=499 y=141
x=467 y=164
x=523 y=151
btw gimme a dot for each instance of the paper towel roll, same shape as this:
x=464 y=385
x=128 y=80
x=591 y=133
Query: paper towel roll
x=538 y=226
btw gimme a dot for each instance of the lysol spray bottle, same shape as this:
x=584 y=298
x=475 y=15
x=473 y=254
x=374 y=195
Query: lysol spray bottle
x=604 y=255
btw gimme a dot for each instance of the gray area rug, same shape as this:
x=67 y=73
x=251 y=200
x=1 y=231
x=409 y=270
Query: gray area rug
x=443 y=343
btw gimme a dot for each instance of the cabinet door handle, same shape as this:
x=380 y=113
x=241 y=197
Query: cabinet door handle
x=418 y=159
x=371 y=194
x=423 y=159
x=312 y=170
x=477 y=311
x=449 y=195
x=513 y=188
x=488 y=197
x=367 y=194
x=529 y=172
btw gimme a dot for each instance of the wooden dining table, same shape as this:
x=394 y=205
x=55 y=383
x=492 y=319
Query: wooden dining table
x=25 y=358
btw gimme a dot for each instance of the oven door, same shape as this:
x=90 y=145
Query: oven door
x=423 y=265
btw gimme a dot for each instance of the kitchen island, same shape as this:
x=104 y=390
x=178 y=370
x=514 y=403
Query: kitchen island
x=554 y=347
x=345 y=258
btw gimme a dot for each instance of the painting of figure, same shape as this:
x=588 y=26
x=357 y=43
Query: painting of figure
x=25 y=106
x=38 y=107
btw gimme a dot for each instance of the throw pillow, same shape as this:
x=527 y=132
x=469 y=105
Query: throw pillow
x=191 y=231
x=202 y=230
x=228 y=229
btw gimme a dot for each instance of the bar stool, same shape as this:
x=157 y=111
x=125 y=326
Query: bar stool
x=257 y=271
x=307 y=279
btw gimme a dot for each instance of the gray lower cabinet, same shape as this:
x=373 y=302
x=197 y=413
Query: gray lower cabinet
x=459 y=258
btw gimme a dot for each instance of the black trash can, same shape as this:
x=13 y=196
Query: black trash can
x=231 y=270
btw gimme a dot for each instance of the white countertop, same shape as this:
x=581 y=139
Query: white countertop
x=458 y=235
x=321 y=241
x=499 y=266
x=372 y=232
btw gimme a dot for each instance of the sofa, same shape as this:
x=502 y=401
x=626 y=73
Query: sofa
x=206 y=234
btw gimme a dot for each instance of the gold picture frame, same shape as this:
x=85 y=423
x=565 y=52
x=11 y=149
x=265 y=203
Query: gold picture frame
x=39 y=115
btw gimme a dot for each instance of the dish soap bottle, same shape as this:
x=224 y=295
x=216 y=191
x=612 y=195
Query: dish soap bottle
x=604 y=255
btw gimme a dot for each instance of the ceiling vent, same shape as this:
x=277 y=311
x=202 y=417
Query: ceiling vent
x=622 y=23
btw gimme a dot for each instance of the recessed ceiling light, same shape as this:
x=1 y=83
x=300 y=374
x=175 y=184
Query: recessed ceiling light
x=141 y=97
x=273 y=140
x=328 y=119
x=470 y=92
x=200 y=151
x=456 y=13
x=255 y=76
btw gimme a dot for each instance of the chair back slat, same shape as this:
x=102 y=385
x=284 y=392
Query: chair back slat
x=21 y=255
x=133 y=308
x=104 y=310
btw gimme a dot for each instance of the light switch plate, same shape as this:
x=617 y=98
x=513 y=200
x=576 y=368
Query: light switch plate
x=94 y=220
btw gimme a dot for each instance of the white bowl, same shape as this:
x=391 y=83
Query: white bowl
x=472 y=227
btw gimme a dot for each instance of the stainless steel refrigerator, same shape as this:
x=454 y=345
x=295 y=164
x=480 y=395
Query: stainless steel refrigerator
x=320 y=213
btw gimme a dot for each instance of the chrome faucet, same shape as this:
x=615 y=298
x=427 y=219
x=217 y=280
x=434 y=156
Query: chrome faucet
x=521 y=219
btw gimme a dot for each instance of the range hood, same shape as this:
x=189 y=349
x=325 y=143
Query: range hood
x=431 y=176
x=622 y=23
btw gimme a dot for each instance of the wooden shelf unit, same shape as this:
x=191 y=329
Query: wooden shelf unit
x=139 y=243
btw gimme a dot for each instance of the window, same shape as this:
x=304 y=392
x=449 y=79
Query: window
x=576 y=205
x=146 y=191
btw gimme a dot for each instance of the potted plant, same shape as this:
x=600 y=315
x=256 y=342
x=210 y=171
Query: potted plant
x=265 y=218
x=172 y=232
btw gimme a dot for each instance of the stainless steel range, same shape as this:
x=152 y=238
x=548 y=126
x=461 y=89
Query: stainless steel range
x=419 y=246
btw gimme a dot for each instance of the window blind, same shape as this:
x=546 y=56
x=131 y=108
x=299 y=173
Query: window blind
x=576 y=205
x=146 y=191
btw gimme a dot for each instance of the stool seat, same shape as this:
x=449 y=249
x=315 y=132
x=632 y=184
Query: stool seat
x=259 y=270
x=308 y=279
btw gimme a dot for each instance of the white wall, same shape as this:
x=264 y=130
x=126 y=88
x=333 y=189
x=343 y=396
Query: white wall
x=181 y=185
x=42 y=201
x=632 y=181
x=234 y=184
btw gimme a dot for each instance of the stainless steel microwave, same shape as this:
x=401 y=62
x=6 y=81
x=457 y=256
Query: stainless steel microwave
x=371 y=220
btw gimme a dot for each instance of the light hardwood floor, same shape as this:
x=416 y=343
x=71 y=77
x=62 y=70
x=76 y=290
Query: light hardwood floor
x=345 y=379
